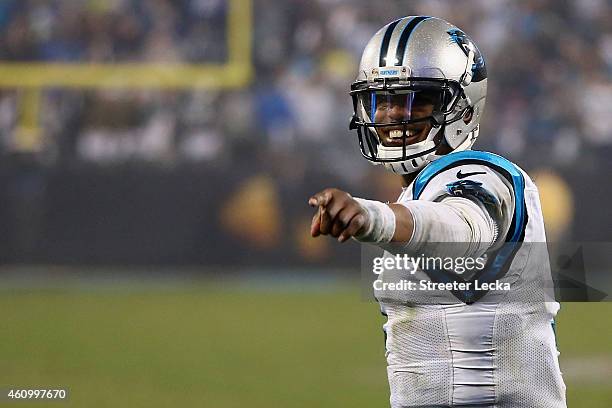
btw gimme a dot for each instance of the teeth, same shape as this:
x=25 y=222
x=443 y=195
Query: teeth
x=396 y=134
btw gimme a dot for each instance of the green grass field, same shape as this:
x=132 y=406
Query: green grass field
x=206 y=346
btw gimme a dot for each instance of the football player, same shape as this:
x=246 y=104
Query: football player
x=418 y=101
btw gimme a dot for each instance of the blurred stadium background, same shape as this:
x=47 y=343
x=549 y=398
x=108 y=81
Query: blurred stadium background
x=156 y=161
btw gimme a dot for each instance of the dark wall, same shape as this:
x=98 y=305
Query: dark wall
x=151 y=215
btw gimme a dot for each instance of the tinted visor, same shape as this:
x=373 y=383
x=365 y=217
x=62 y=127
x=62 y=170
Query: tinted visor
x=397 y=106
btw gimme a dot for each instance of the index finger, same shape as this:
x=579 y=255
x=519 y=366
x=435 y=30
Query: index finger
x=315 y=225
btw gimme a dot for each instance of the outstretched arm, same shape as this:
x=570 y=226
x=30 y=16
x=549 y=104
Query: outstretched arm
x=454 y=219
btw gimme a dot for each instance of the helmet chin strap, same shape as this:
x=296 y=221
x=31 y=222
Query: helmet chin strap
x=396 y=152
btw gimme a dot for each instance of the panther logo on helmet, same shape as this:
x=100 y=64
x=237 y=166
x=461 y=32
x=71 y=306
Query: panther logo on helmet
x=479 y=71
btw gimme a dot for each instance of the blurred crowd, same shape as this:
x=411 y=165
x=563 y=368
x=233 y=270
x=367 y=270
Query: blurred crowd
x=549 y=102
x=550 y=64
x=112 y=30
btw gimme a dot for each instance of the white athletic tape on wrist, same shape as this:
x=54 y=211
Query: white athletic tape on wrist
x=380 y=220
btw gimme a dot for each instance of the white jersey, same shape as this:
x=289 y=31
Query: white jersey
x=480 y=349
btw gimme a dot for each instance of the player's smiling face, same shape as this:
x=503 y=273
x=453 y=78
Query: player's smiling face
x=402 y=106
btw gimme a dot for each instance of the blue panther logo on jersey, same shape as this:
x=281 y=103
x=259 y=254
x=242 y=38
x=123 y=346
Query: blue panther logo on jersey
x=470 y=188
x=479 y=70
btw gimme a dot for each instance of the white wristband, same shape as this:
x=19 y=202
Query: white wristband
x=380 y=222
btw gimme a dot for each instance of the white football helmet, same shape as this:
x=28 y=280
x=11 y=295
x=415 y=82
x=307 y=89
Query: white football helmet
x=408 y=62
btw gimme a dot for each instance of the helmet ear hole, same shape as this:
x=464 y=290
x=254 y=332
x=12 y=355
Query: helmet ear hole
x=468 y=115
